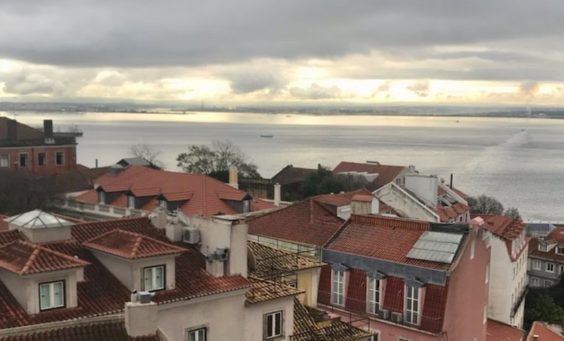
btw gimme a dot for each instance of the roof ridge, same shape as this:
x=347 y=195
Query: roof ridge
x=30 y=261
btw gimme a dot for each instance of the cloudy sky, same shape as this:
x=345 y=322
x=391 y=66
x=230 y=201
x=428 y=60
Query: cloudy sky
x=313 y=51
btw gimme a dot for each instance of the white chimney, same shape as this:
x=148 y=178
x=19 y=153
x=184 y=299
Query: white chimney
x=141 y=319
x=277 y=194
x=233 y=177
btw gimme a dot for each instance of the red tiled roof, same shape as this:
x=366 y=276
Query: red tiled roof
x=534 y=251
x=131 y=245
x=341 y=199
x=556 y=235
x=502 y=226
x=88 y=331
x=208 y=196
x=450 y=213
x=384 y=238
x=101 y=293
x=292 y=175
x=307 y=222
x=9 y=236
x=24 y=132
x=146 y=192
x=24 y=258
x=386 y=173
x=544 y=333
x=497 y=331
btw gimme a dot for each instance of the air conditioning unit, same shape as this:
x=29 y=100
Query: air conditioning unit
x=397 y=317
x=145 y=297
x=191 y=235
x=222 y=254
x=384 y=314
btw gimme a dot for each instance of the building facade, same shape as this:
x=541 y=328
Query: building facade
x=546 y=259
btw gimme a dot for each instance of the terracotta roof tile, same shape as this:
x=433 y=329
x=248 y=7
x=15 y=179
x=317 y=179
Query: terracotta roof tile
x=363 y=198
x=502 y=226
x=544 y=332
x=89 y=331
x=497 y=331
x=386 y=173
x=146 y=192
x=264 y=290
x=208 y=196
x=24 y=258
x=341 y=199
x=9 y=236
x=307 y=222
x=131 y=245
x=383 y=238
x=271 y=263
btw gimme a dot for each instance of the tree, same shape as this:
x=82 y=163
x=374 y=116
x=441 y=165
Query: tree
x=512 y=212
x=485 y=205
x=321 y=182
x=215 y=161
x=541 y=307
x=21 y=192
x=147 y=152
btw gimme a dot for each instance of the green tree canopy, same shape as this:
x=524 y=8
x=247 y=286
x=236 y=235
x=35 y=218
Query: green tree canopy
x=216 y=160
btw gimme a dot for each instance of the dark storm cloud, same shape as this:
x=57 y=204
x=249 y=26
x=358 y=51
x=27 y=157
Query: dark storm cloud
x=151 y=33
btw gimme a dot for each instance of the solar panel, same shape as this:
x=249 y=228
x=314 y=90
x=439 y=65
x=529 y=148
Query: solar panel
x=436 y=247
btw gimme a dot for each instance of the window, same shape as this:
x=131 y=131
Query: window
x=51 y=295
x=338 y=288
x=4 y=160
x=560 y=250
x=23 y=160
x=543 y=247
x=130 y=201
x=41 y=159
x=273 y=325
x=560 y=269
x=375 y=336
x=60 y=158
x=200 y=334
x=547 y=283
x=550 y=267
x=374 y=287
x=534 y=282
x=412 y=305
x=536 y=264
x=291 y=280
x=154 y=278
x=102 y=197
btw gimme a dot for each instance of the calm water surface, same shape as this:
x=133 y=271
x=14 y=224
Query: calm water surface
x=519 y=161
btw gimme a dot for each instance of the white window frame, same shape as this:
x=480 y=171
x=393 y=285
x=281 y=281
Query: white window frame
x=373 y=295
x=559 y=250
x=535 y=282
x=5 y=157
x=63 y=158
x=338 y=287
x=375 y=335
x=131 y=201
x=276 y=321
x=153 y=274
x=102 y=197
x=551 y=266
x=413 y=314
x=51 y=292
x=536 y=264
x=199 y=334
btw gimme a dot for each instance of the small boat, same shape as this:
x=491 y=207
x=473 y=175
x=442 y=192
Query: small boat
x=266 y=136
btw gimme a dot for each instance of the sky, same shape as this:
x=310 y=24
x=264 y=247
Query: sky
x=259 y=51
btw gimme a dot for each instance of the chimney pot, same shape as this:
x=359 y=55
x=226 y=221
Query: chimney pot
x=277 y=194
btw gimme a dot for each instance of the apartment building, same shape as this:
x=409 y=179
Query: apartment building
x=39 y=152
x=546 y=259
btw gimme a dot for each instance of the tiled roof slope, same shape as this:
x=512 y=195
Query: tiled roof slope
x=94 y=331
x=270 y=262
x=101 y=293
x=544 y=333
x=306 y=328
x=210 y=196
x=9 y=236
x=386 y=173
x=503 y=226
x=341 y=199
x=383 y=238
x=25 y=258
x=307 y=222
x=24 y=132
x=264 y=290
x=497 y=331
x=292 y=175
x=131 y=245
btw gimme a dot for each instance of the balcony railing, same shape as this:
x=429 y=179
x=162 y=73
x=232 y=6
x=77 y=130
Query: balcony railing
x=98 y=209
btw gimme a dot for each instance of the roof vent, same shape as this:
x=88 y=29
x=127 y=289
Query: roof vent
x=191 y=235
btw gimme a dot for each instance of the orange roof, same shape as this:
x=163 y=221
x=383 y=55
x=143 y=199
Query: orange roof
x=24 y=258
x=131 y=245
x=502 y=226
x=205 y=195
x=544 y=333
x=497 y=331
x=363 y=198
x=341 y=199
x=386 y=173
x=383 y=238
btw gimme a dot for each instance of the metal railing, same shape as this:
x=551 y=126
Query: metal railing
x=98 y=209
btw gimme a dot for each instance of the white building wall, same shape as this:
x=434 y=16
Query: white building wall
x=408 y=206
x=254 y=319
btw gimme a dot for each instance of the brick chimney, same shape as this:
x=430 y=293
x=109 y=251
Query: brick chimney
x=233 y=177
x=48 y=131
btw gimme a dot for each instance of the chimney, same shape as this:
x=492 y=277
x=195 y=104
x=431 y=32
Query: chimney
x=451 y=179
x=141 y=315
x=12 y=130
x=277 y=194
x=364 y=204
x=159 y=218
x=233 y=177
x=48 y=131
x=535 y=337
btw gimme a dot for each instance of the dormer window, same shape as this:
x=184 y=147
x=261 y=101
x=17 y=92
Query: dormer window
x=560 y=250
x=130 y=201
x=101 y=197
x=51 y=295
x=154 y=278
x=543 y=247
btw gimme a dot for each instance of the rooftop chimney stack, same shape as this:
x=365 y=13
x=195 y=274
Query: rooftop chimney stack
x=364 y=204
x=233 y=177
x=12 y=130
x=141 y=317
x=48 y=131
x=277 y=194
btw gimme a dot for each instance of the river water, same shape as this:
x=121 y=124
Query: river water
x=518 y=161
